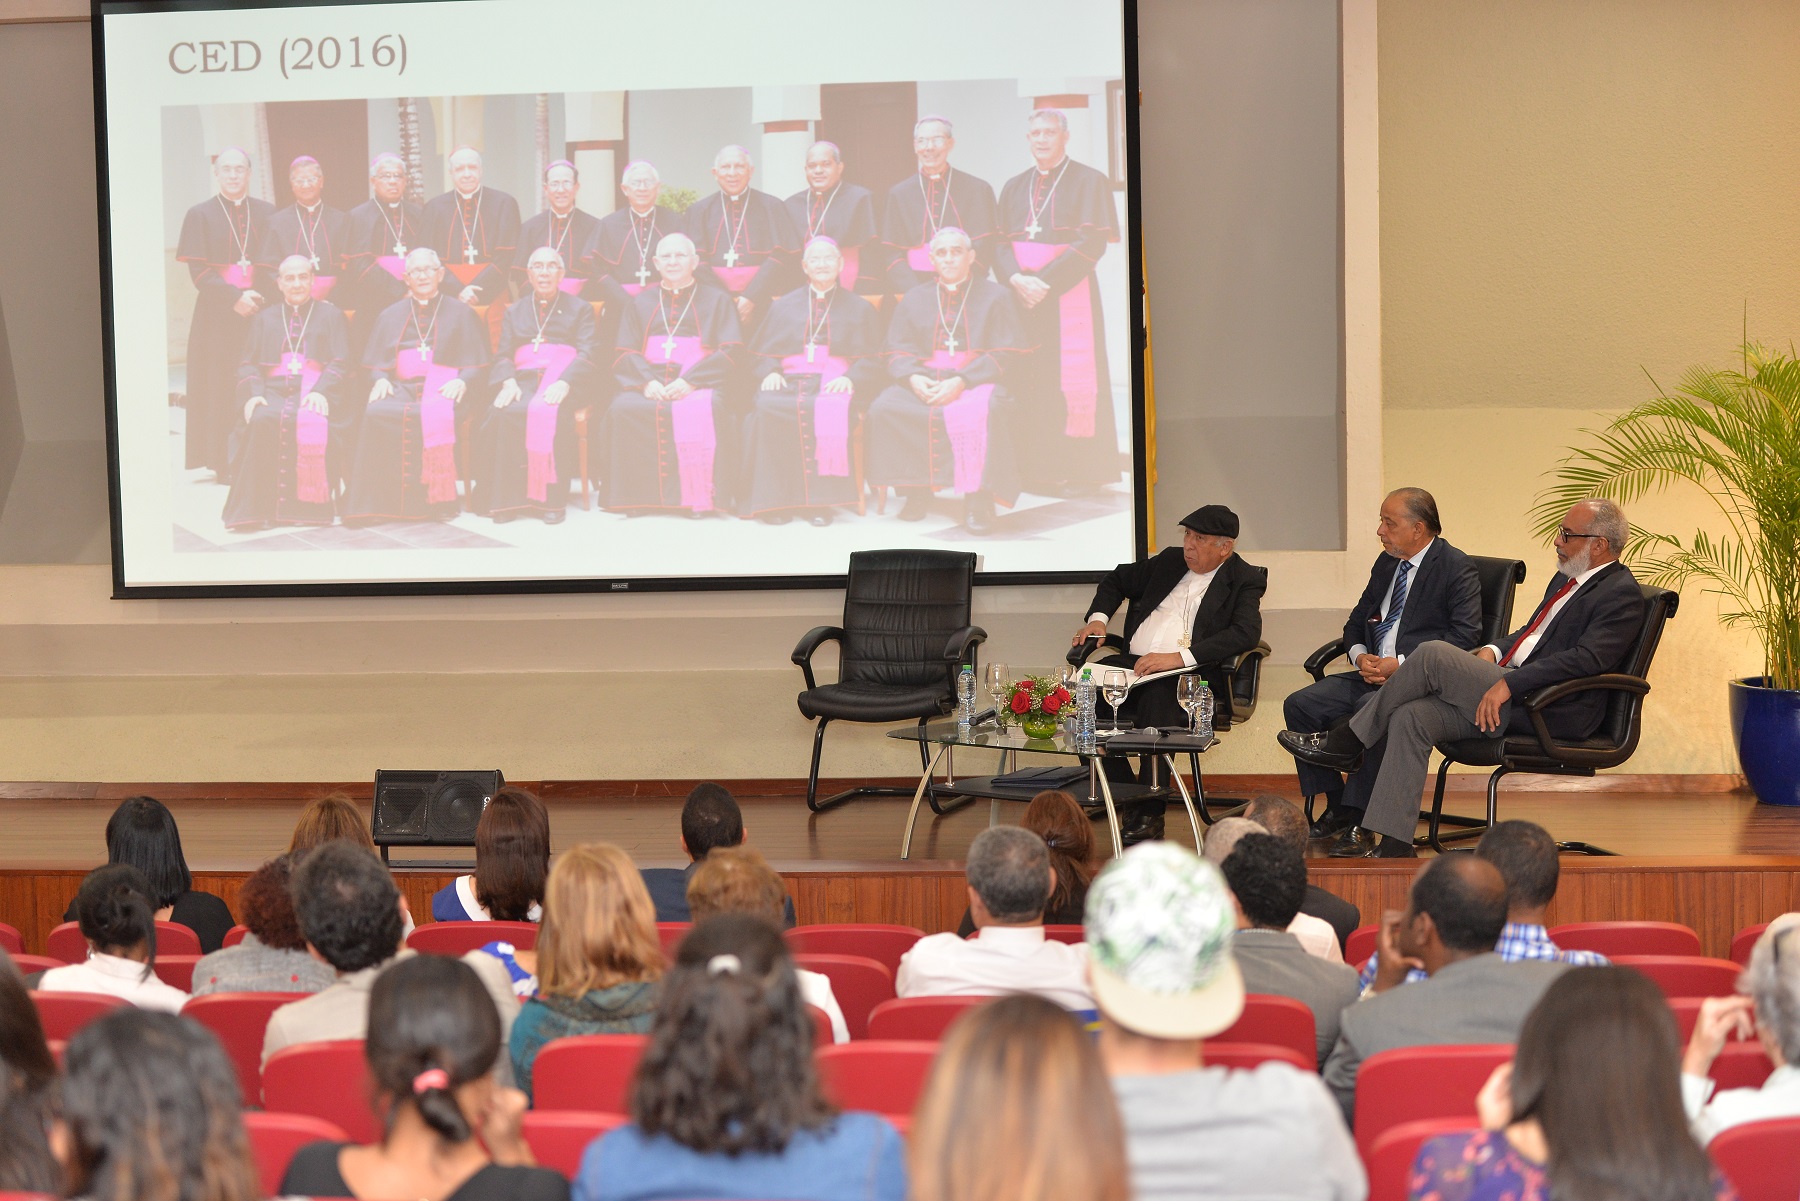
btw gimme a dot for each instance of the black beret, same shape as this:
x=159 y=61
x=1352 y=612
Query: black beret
x=1212 y=519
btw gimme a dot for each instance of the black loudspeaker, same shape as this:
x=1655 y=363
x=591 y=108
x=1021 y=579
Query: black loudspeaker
x=430 y=808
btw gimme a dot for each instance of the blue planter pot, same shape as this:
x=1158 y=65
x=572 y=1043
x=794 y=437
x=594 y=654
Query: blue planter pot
x=1765 y=724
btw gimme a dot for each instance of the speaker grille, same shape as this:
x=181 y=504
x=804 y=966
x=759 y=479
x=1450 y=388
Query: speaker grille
x=400 y=805
x=431 y=808
x=456 y=809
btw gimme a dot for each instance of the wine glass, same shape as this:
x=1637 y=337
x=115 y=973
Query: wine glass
x=1066 y=673
x=1115 y=685
x=997 y=687
x=1188 y=690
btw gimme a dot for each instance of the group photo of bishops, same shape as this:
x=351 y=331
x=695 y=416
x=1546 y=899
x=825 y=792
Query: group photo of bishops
x=898 y=309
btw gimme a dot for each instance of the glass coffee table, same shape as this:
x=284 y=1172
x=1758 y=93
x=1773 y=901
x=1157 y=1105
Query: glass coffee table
x=946 y=736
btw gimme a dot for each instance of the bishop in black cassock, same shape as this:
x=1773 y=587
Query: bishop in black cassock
x=566 y=229
x=383 y=230
x=310 y=228
x=828 y=207
x=475 y=230
x=817 y=366
x=524 y=441
x=946 y=420
x=291 y=387
x=747 y=244
x=222 y=244
x=426 y=355
x=1056 y=220
x=667 y=432
x=936 y=197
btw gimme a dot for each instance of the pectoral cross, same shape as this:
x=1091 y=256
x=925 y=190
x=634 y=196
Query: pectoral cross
x=425 y=354
x=731 y=258
x=810 y=348
x=1033 y=228
x=950 y=342
x=244 y=266
x=469 y=251
x=669 y=347
x=537 y=343
x=643 y=274
x=315 y=259
x=293 y=364
x=399 y=248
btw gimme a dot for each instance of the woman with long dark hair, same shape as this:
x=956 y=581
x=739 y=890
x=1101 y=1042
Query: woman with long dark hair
x=727 y=1102
x=142 y=832
x=452 y=1133
x=116 y=912
x=1588 y=1110
x=512 y=859
x=27 y=1081
x=1056 y=817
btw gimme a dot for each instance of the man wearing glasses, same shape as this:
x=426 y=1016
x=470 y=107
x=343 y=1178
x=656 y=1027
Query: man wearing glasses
x=1591 y=614
x=935 y=198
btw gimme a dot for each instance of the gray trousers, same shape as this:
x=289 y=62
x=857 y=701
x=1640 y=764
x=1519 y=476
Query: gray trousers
x=1430 y=699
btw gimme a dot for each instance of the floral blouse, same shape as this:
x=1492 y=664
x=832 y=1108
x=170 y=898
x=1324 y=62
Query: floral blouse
x=1482 y=1165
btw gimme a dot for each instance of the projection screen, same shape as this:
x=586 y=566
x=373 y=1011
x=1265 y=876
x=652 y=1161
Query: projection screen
x=480 y=295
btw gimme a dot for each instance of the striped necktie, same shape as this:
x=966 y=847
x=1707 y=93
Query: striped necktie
x=1394 y=606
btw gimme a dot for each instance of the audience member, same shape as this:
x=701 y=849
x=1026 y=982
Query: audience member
x=1589 y=1107
x=1160 y=926
x=727 y=1101
x=1010 y=882
x=1526 y=856
x=740 y=880
x=331 y=818
x=1455 y=913
x=512 y=857
x=114 y=909
x=27 y=1090
x=710 y=818
x=1057 y=818
x=273 y=956
x=452 y=1130
x=1017 y=1109
x=350 y=914
x=1771 y=1013
x=1315 y=935
x=1268 y=878
x=142 y=832
x=599 y=961
x=151 y=1109
x=1282 y=818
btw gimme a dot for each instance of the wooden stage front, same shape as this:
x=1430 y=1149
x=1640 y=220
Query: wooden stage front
x=1714 y=860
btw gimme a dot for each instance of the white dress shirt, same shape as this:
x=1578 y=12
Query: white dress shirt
x=1712 y=1112
x=1392 y=638
x=994 y=961
x=116 y=977
x=815 y=990
x=1161 y=632
x=1529 y=643
x=1316 y=937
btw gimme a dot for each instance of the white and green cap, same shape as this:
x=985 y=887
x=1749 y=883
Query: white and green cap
x=1159 y=924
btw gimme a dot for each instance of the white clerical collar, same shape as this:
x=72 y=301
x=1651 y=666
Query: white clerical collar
x=564 y=216
x=932 y=178
x=392 y=204
x=424 y=303
x=312 y=208
x=468 y=196
x=545 y=302
x=233 y=203
x=651 y=211
x=1053 y=166
x=822 y=295
x=672 y=290
x=949 y=287
x=294 y=309
x=736 y=195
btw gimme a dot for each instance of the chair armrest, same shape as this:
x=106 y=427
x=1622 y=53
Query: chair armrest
x=1315 y=662
x=1230 y=668
x=1537 y=701
x=809 y=644
x=957 y=649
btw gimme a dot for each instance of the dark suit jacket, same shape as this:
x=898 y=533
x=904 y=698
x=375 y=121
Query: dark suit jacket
x=667 y=887
x=1443 y=602
x=1593 y=634
x=1228 y=621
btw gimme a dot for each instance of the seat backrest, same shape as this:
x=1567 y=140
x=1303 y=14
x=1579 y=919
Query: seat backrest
x=172 y=938
x=1621 y=726
x=27 y=964
x=587 y=1071
x=238 y=1020
x=275 y=1137
x=177 y=971
x=1071 y=934
x=10 y=940
x=1500 y=579
x=670 y=935
x=1686 y=975
x=559 y=1137
x=235 y=935
x=1361 y=944
x=63 y=1013
x=1248 y=1055
x=459 y=938
x=1390 y=1160
x=919 y=1019
x=1627 y=938
x=1741 y=1065
x=883 y=943
x=1687 y=1015
x=1758 y=1158
x=900 y=609
x=880 y=1077
x=1408 y=1083
x=1744 y=942
x=1282 y=1021
x=328 y=1080
x=858 y=983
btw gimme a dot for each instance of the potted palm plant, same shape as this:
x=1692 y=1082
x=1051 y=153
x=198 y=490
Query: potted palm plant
x=1734 y=434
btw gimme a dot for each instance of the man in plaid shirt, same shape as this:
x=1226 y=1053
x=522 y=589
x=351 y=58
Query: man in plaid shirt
x=1525 y=855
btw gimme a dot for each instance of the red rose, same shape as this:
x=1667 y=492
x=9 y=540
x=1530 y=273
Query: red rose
x=1058 y=699
x=1021 y=702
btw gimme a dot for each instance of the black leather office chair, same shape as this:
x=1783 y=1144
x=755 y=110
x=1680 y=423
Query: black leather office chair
x=1611 y=745
x=906 y=635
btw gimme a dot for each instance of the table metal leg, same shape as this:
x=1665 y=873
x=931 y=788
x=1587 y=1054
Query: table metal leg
x=1193 y=819
x=912 y=815
x=1112 y=815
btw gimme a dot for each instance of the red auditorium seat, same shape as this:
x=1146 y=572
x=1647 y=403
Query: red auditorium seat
x=63 y=1013
x=1409 y=1083
x=177 y=971
x=1360 y=945
x=1627 y=938
x=1249 y=1055
x=238 y=1020
x=1742 y=1065
x=328 y=1080
x=919 y=1019
x=1390 y=1160
x=1073 y=935
x=275 y=1137
x=589 y=1072
x=27 y=964
x=459 y=938
x=859 y=985
x=10 y=940
x=872 y=940
x=1282 y=1021
x=559 y=1137
x=1687 y=1015
x=671 y=934
x=235 y=935
x=822 y=1031
x=67 y=944
x=1686 y=975
x=1744 y=941
x=1758 y=1158
x=881 y=1077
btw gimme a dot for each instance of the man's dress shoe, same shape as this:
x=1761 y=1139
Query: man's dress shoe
x=1312 y=748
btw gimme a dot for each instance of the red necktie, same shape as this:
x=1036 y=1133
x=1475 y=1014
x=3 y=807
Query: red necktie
x=1538 y=620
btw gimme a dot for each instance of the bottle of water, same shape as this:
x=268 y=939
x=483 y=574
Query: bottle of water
x=1084 y=710
x=965 y=697
x=1203 y=712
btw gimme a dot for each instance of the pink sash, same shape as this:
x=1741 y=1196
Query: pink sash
x=1080 y=376
x=831 y=410
x=735 y=279
x=322 y=285
x=572 y=284
x=465 y=273
x=437 y=422
x=633 y=289
x=919 y=259
x=311 y=430
x=965 y=423
x=552 y=358
x=394 y=265
x=696 y=442
x=237 y=277
x=847 y=273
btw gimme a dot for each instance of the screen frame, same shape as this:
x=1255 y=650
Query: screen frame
x=1137 y=343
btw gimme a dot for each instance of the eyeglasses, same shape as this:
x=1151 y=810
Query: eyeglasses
x=1566 y=534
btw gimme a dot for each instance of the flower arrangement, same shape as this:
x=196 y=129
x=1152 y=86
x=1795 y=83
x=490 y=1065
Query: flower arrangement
x=1037 y=701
